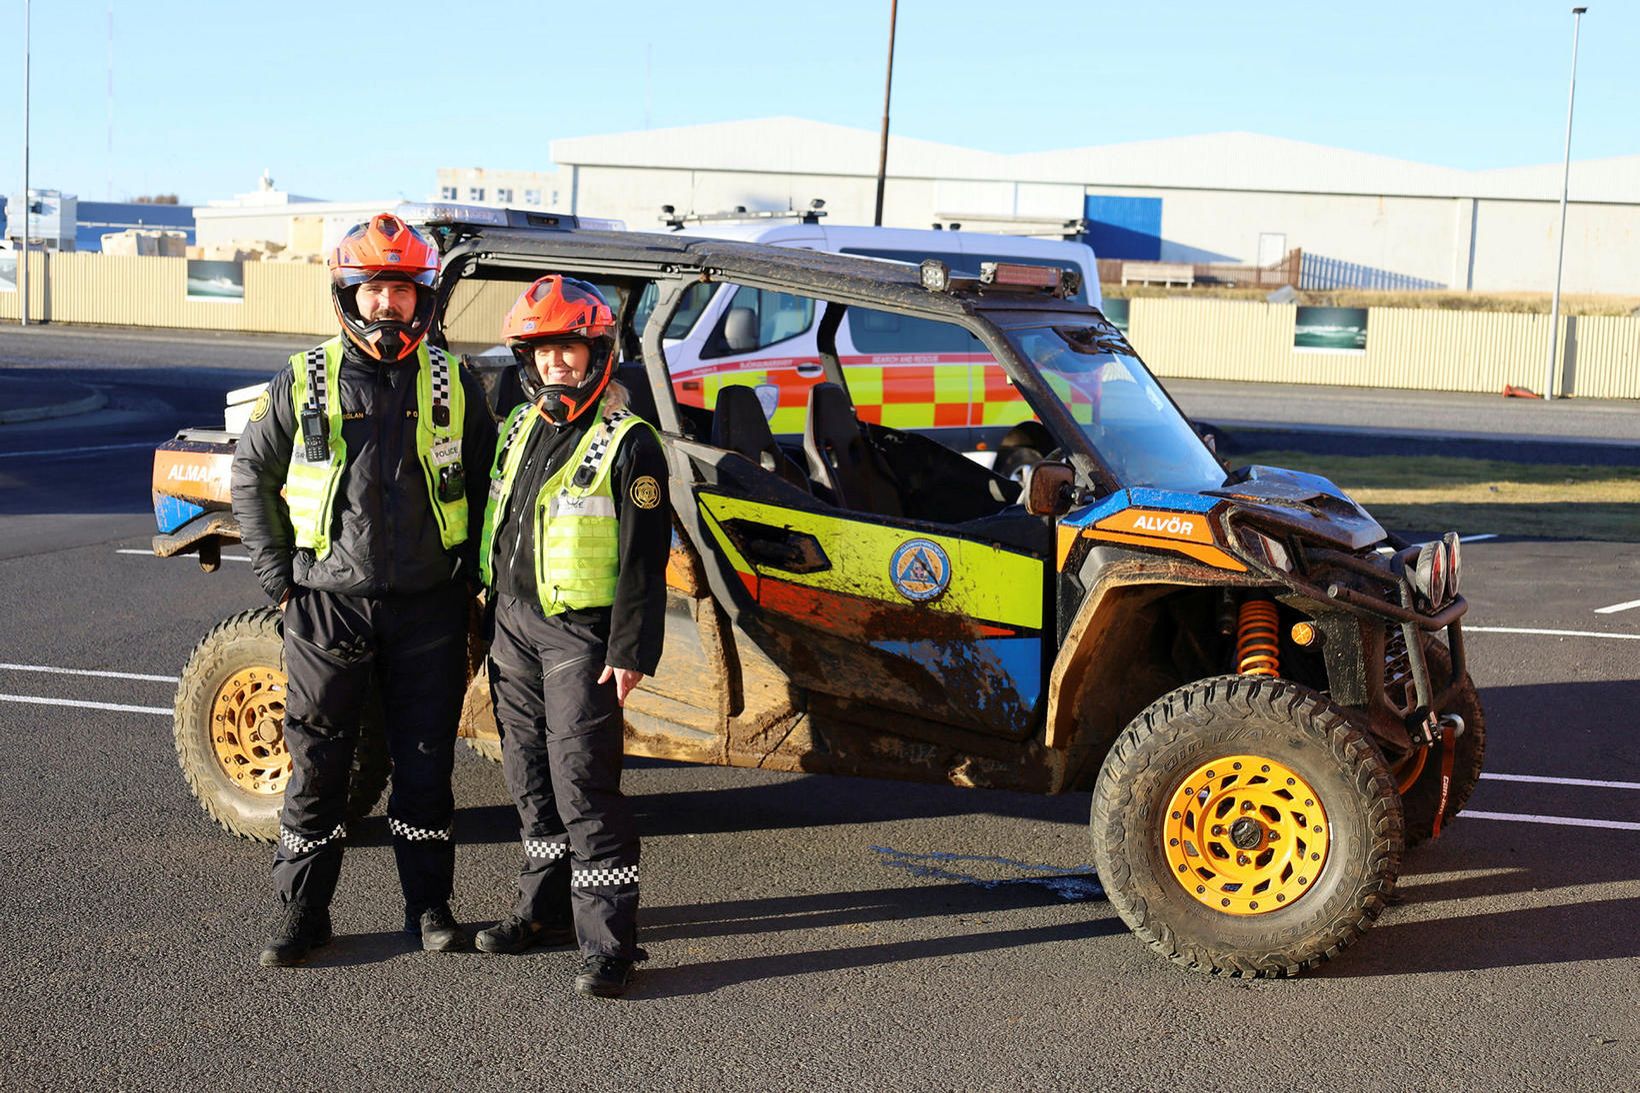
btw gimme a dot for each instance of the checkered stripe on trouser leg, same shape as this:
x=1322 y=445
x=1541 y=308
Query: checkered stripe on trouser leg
x=545 y=849
x=603 y=878
x=297 y=844
x=416 y=834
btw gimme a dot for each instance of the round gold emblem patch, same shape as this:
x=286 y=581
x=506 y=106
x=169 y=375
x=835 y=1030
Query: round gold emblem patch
x=646 y=492
x=260 y=410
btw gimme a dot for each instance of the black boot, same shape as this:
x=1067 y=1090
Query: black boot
x=440 y=933
x=515 y=934
x=603 y=977
x=298 y=930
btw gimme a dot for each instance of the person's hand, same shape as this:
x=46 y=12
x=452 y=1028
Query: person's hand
x=625 y=679
x=284 y=600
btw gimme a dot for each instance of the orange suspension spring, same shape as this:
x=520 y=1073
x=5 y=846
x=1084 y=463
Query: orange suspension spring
x=1258 y=636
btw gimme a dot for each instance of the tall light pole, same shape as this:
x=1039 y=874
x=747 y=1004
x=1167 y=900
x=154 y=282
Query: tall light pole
x=22 y=264
x=1565 y=185
x=888 y=90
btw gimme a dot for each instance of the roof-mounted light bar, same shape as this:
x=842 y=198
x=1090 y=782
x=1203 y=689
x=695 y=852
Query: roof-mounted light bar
x=935 y=276
x=439 y=214
x=1063 y=283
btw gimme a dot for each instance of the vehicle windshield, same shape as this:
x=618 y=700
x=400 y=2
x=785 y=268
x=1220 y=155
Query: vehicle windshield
x=1120 y=407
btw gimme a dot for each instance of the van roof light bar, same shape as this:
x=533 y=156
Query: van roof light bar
x=676 y=220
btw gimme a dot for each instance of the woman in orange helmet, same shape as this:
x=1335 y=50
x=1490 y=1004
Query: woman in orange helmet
x=576 y=535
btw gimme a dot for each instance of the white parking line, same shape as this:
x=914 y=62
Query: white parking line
x=77 y=451
x=1477 y=538
x=151 y=554
x=1548 y=633
x=1562 y=781
x=1563 y=821
x=84 y=672
x=83 y=705
x=1616 y=607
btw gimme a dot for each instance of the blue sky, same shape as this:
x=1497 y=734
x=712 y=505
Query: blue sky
x=359 y=101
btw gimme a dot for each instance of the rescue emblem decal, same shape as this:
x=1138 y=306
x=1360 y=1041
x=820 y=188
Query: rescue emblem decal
x=920 y=570
x=646 y=492
x=260 y=410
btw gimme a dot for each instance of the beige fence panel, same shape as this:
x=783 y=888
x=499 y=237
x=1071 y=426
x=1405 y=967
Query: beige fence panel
x=289 y=297
x=121 y=290
x=1407 y=348
x=1452 y=350
x=473 y=315
x=1213 y=339
x=1605 y=362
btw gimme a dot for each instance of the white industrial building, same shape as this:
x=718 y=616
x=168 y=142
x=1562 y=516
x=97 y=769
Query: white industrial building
x=489 y=186
x=1223 y=197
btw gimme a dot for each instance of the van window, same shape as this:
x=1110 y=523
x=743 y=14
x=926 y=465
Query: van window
x=695 y=299
x=967 y=265
x=756 y=318
x=881 y=332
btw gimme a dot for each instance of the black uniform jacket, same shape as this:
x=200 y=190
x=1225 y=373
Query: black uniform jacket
x=637 y=621
x=384 y=538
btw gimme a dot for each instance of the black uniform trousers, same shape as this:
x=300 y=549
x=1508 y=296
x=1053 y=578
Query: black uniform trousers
x=561 y=746
x=415 y=647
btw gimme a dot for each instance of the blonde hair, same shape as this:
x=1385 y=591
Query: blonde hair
x=616 y=397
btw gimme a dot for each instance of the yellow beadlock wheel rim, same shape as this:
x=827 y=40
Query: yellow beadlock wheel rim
x=1245 y=835
x=248 y=730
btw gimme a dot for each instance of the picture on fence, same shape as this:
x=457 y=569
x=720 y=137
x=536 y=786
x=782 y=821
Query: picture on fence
x=8 y=272
x=1334 y=329
x=220 y=281
x=1117 y=312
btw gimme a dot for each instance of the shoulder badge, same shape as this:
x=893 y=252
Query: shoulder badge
x=646 y=492
x=260 y=410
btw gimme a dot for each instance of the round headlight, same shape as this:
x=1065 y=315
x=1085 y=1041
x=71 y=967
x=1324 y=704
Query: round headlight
x=1454 y=564
x=1429 y=573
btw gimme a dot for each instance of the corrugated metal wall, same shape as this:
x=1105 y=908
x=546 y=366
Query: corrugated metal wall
x=1420 y=349
x=1605 y=362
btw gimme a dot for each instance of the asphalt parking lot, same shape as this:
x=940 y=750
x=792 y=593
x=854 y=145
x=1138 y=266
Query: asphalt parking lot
x=805 y=931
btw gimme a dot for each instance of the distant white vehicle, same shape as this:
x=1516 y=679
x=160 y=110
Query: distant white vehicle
x=906 y=373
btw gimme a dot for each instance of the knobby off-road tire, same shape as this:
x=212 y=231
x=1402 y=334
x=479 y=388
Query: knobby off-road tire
x=1420 y=801
x=230 y=706
x=1283 y=727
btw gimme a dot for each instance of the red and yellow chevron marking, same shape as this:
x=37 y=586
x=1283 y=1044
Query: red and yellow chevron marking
x=905 y=391
x=1186 y=533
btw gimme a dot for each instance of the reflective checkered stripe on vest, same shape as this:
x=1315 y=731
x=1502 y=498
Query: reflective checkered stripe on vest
x=310 y=488
x=577 y=543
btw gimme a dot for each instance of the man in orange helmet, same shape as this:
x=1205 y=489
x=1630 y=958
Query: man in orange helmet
x=576 y=535
x=351 y=487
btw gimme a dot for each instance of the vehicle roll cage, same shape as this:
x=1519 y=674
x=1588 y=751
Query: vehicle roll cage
x=674 y=263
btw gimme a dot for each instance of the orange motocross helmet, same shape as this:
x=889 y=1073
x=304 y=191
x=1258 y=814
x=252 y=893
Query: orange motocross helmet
x=383 y=248
x=562 y=309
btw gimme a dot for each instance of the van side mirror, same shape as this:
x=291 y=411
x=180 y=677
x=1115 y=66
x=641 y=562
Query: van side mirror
x=1047 y=489
x=740 y=330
